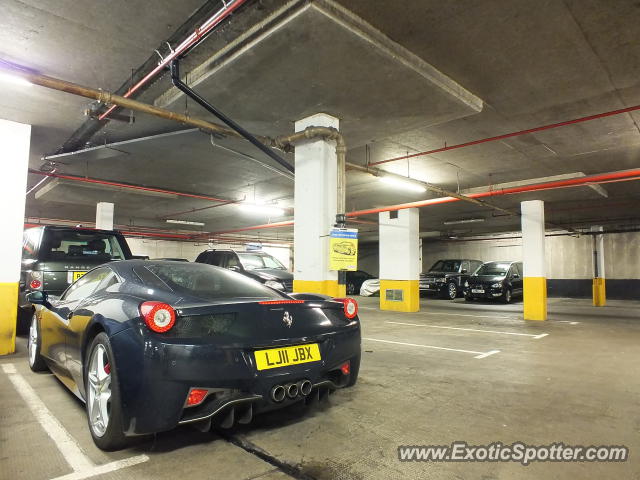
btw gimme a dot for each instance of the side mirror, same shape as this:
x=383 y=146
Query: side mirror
x=515 y=275
x=235 y=268
x=38 y=298
x=464 y=270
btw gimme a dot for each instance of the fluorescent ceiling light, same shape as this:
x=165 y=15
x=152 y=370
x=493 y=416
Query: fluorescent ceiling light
x=261 y=209
x=186 y=222
x=8 y=78
x=466 y=220
x=404 y=184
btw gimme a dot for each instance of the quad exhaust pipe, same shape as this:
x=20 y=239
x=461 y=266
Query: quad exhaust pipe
x=291 y=390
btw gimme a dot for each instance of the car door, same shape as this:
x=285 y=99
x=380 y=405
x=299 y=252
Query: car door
x=519 y=281
x=465 y=269
x=54 y=322
x=82 y=314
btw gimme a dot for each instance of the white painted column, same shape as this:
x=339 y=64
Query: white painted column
x=533 y=259
x=315 y=209
x=15 y=139
x=599 y=282
x=104 y=216
x=400 y=263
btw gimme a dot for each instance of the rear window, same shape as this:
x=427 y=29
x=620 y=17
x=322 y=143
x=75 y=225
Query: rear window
x=81 y=245
x=204 y=281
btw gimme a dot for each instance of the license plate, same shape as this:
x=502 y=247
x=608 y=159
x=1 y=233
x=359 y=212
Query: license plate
x=476 y=290
x=287 y=356
x=73 y=276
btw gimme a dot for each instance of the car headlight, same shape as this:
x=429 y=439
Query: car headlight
x=466 y=283
x=274 y=284
x=441 y=280
x=496 y=285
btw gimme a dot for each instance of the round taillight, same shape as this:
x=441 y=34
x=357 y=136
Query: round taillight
x=350 y=306
x=35 y=284
x=159 y=317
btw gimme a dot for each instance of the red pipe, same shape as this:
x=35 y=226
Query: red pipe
x=189 y=42
x=622 y=176
x=127 y=185
x=512 y=134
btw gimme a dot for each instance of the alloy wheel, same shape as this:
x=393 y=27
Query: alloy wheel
x=99 y=391
x=453 y=291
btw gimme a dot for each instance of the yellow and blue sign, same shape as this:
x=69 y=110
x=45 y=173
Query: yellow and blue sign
x=343 y=249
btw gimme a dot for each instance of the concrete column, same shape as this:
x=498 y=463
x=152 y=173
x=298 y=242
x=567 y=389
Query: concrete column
x=535 y=279
x=315 y=210
x=104 y=216
x=14 y=141
x=400 y=260
x=599 y=289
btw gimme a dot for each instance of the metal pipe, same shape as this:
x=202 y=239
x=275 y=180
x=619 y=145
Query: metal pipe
x=108 y=97
x=512 y=134
x=182 y=48
x=625 y=175
x=188 y=91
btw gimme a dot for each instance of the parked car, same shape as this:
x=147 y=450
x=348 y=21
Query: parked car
x=355 y=281
x=150 y=345
x=495 y=280
x=370 y=287
x=258 y=265
x=53 y=257
x=447 y=277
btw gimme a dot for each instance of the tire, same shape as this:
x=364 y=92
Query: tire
x=507 y=296
x=452 y=291
x=34 y=343
x=100 y=373
x=355 y=370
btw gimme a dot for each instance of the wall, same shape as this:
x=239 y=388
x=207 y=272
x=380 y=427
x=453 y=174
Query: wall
x=173 y=249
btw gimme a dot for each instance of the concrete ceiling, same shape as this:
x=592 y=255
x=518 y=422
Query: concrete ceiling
x=529 y=67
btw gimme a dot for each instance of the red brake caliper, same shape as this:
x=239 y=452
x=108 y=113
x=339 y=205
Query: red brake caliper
x=107 y=369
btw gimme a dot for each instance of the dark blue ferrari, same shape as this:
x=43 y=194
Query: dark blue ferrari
x=149 y=345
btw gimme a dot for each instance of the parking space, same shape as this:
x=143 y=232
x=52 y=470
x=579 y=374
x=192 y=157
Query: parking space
x=548 y=381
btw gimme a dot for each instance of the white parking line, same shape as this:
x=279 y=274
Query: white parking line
x=477 y=354
x=454 y=314
x=81 y=465
x=535 y=337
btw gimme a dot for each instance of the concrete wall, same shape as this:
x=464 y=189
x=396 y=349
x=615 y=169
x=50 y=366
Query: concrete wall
x=173 y=249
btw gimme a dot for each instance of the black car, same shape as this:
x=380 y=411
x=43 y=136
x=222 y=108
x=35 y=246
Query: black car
x=258 y=265
x=495 y=280
x=149 y=345
x=53 y=257
x=355 y=281
x=447 y=277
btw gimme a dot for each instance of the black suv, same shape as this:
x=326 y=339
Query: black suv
x=495 y=280
x=447 y=277
x=53 y=257
x=257 y=265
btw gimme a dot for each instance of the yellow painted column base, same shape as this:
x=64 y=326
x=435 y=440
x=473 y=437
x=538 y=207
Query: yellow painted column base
x=407 y=301
x=323 y=287
x=599 y=292
x=8 y=317
x=535 y=298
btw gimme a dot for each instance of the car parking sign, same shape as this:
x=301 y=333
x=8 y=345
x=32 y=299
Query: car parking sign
x=343 y=249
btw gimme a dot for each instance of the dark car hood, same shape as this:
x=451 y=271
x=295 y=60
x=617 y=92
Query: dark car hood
x=486 y=279
x=271 y=274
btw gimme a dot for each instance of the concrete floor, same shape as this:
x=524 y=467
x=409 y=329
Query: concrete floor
x=580 y=384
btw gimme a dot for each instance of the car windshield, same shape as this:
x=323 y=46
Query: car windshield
x=81 y=245
x=253 y=261
x=494 y=269
x=203 y=281
x=445 y=266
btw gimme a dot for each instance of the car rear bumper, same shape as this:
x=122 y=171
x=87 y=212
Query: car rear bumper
x=155 y=378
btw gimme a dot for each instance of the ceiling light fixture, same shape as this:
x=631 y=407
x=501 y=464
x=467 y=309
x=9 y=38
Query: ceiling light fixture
x=8 y=78
x=186 y=222
x=261 y=209
x=466 y=220
x=404 y=184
